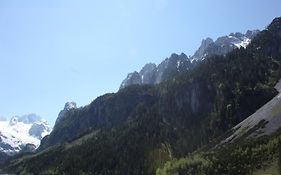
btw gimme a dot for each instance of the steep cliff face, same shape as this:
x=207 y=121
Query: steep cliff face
x=176 y=64
x=223 y=45
x=152 y=74
x=148 y=73
x=201 y=53
x=135 y=78
x=67 y=107
x=264 y=122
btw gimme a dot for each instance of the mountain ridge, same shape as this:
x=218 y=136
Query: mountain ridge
x=176 y=64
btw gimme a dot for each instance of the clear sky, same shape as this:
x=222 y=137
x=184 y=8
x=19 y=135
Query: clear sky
x=54 y=51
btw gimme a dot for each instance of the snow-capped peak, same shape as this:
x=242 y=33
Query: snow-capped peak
x=223 y=45
x=21 y=131
x=243 y=43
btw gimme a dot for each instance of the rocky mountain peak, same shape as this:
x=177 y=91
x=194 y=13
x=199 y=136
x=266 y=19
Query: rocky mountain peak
x=132 y=78
x=148 y=67
x=67 y=107
x=237 y=35
x=26 y=119
x=153 y=74
x=21 y=131
x=171 y=66
x=207 y=41
x=38 y=130
x=223 y=44
x=251 y=33
x=199 y=54
x=70 y=105
x=147 y=73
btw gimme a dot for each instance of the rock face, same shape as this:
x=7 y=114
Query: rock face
x=175 y=64
x=132 y=78
x=147 y=74
x=152 y=74
x=22 y=133
x=26 y=119
x=265 y=121
x=201 y=52
x=223 y=44
x=38 y=130
x=67 y=107
x=29 y=148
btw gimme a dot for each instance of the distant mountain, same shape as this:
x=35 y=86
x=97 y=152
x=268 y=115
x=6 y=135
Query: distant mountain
x=22 y=133
x=177 y=64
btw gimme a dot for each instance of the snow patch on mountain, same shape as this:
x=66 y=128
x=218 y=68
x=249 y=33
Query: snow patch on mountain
x=20 y=131
x=223 y=45
x=242 y=43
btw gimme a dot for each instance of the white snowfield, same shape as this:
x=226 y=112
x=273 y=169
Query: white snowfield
x=240 y=42
x=14 y=137
x=244 y=43
x=265 y=121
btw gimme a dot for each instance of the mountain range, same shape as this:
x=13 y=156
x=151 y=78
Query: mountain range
x=177 y=64
x=213 y=113
x=22 y=133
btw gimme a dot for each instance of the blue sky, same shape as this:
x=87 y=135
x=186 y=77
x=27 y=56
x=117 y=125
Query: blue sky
x=54 y=51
